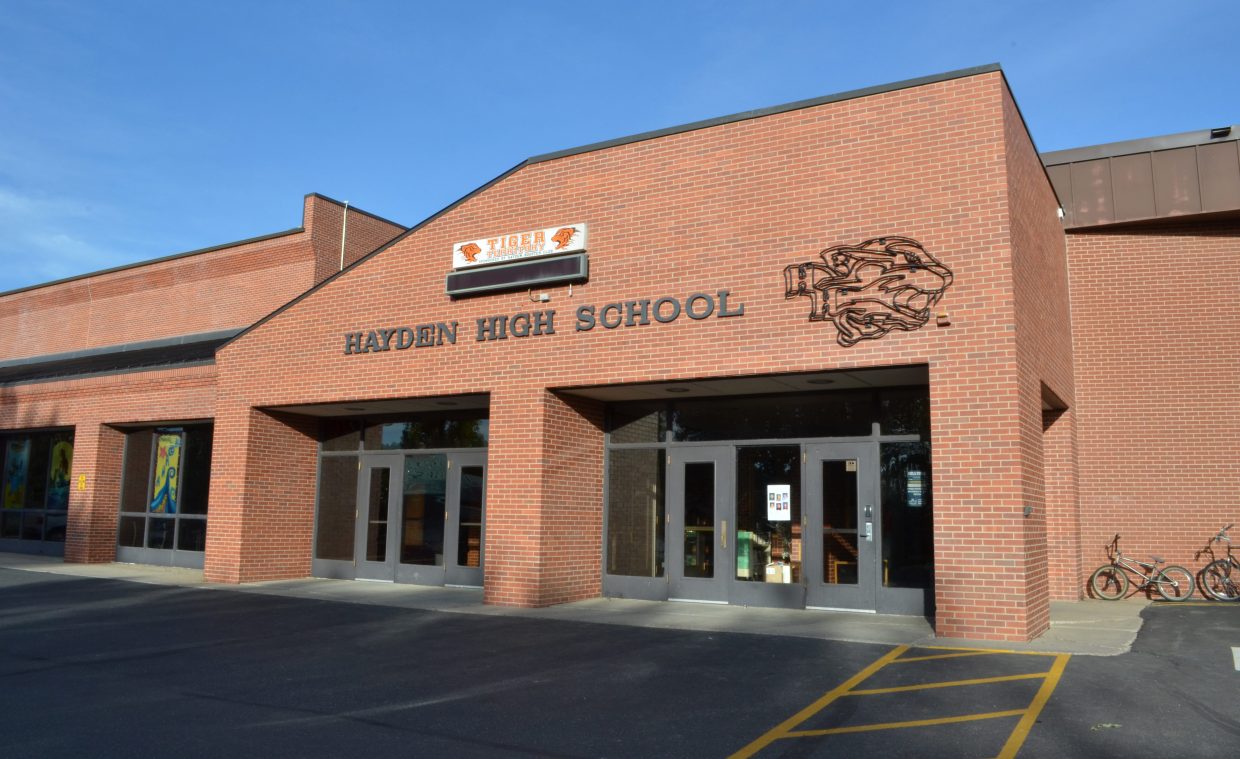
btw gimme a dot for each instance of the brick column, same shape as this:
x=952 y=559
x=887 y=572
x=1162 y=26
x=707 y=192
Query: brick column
x=90 y=536
x=544 y=498
x=1063 y=514
x=261 y=515
x=980 y=550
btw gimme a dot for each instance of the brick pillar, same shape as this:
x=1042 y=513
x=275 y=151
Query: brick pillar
x=1063 y=514
x=90 y=536
x=261 y=514
x=544 y=498
x=980 y=542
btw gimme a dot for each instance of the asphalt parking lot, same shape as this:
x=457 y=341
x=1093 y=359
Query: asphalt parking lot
x=106 y=668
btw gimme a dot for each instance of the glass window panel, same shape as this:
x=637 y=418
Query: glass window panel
x=60 y=471
x=424 y=500
x=16 y=472
x=131 y=532
x=638 y=422
x=841 y=413
x=196 y=470
x=40 y=463
x=341 y=434
x=454 y=429
x=635 y=513
x=839 y=551
x=839 y=496
x=905 y=411
x=136 y=480
x=160 y=532
x=11 y=524
x=768 y=550
x=334 y=518
x=32 y=526
x=56 y=524
x=377 y=514
x=469 y=538
x=699 y=519
x=908 y=515
x=192 y=535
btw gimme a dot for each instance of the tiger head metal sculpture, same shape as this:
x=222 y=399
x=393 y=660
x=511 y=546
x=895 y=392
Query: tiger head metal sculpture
x=870 y=289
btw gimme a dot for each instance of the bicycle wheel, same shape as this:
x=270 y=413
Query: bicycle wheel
x=1175 y=583
x=1221 y=580
x=1108 y=582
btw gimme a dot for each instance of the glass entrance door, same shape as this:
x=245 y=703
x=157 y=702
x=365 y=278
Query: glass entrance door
x=440 y=518
x=378 y=504
x=699 y=549
x=466 y=518
x=768 y=534
x=841 y=523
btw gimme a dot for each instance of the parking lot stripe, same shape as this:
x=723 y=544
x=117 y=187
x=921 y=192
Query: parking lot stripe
x=988 y=651
x=1018 y=736
x=932 y=657
x=948 y=684
x=1235 y=657
x=898 y=725
x=782 y=729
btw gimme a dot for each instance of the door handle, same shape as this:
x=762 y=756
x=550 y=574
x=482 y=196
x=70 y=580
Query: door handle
x=723 y=533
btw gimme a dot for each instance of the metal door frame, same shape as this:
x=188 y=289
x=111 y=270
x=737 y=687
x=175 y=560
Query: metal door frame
x=376 y=570
x=864 y=594
x=454 y=573
x=713 y=589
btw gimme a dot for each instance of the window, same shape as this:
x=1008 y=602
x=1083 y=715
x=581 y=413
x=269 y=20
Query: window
x=35 y=470
x=164 y=488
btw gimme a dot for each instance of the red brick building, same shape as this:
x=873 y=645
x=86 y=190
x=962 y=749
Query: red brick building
x=842 y=353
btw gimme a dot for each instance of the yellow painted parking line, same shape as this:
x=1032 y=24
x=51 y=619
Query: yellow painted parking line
x=1028 y=716
x=991 y=651
x=898 y=725
x=932 y=657
x=1018 y=736
x=947 y=684
x=782 y=729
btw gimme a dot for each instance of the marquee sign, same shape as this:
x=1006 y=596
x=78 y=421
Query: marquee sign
x=566 y=238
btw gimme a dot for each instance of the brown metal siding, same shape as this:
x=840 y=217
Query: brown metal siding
x=1219 y=166
x=1176 y=188
x=1061 y=180
x=1091 y=193
x=1132 y=176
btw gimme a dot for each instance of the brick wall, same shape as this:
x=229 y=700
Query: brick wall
x=226 y=288
x=90 y=407
x=724 y=207
x=1155 y=323
x=229 y=287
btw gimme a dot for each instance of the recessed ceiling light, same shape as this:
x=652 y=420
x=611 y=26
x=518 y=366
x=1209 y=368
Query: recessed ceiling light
x=677 y=389
x=820 y=381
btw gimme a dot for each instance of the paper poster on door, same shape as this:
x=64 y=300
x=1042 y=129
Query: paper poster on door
x=779 y=503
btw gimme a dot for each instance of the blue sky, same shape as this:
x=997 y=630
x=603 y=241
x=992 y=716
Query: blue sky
x=131 y=130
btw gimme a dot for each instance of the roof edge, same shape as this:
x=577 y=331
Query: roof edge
x=163 y=342
x=988 y=68
x=796 y=105
x=160 y=260
x=1141 y=145
x=374 y=252
x=374 y=216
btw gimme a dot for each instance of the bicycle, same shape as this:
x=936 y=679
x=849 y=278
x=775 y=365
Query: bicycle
x=1220 y=579
x=1110 y=581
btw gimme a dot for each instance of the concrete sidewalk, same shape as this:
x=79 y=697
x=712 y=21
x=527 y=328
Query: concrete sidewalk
x=1097 y=628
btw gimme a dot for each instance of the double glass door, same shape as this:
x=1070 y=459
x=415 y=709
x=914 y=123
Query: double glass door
x=420 y=518
x=774 y=525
